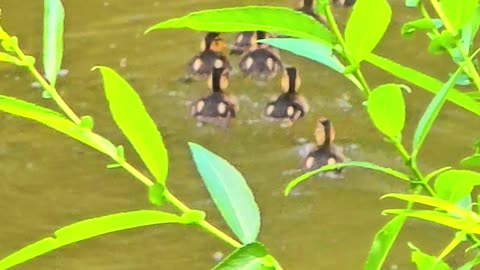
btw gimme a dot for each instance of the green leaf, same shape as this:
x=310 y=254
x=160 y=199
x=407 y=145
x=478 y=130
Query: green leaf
x=156 y=194
x=87 y=122
x=252 y=18
x=58 y=122
x=424 y=81
x=431 y=113
x=364 y=31
x=458 y=12
x=193 y=216
x=455 y=185
x=230 y=192
x=54 y=15
x=359 y=164
x=383 y=242
x=248 y=257
x=442 y=43
x=87 y=229
x=386 y=108
x=426 y=262
x=469 y=265
x=409 y=28
x=131 y=117
x=471 y=161
x=412 y=3
x=5 y=57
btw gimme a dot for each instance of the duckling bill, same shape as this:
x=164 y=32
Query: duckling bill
x=289 y=106
x=325 y=153
x=202 y=64
x=261 y=62
x=219 y=107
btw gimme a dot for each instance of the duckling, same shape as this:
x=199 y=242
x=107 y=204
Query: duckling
x=218 y=107
x=289 y=106
x=261 y=62
x=345 y=3
x=202 y=64
x=243 y=42
x=307 y=7
x=325 y=153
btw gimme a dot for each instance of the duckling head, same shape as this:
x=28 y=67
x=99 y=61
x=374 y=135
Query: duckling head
x=218 y=80
x=291 y=80
x=213 y=42
x=345 y=3
x=324 y=133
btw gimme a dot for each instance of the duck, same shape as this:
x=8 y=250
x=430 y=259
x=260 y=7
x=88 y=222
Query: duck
x=219 y=107
x=308 y=7
x=288 y=106
x=345 y=3
x=202 y=64
x=243 y=42
x=325 y=152
x=261 y=62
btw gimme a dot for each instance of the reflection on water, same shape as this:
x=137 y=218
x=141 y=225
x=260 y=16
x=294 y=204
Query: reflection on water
x=48 y=181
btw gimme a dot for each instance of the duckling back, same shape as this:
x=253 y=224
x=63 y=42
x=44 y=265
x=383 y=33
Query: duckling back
x=261 y=64
x=213 y=106
x=285 y=107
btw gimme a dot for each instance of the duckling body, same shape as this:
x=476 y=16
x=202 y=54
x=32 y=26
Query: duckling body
x=262 y=62
x=307 y=7
x=219 y=107
x=325 y=153
x=243 y=42
x=202 y=64
x=289 y=106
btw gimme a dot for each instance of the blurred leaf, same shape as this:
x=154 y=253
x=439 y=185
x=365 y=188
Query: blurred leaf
x=248 y=257
x=386 y=108
x=459 y=238
x=454 y=185
x=471 y=161
x=87 y=229
x=320 y=7
x=412 y=3
x=364 y=31
x=383 y=242
x=5 y=57
x=193 y=216
x=442 y=43
x=156 y=194
x=469 y=265
x=409 y=28
x=53 y=18
x=426 y=262
x=8 y=44
x=431 y=113
x=87 y=122
x=56 y=121
x=435 y=173
x=278 y=20
x=458 y=12
x=469 y=30
x=359 y=164
x=131 y=117
x=424 y=81
x=230 y=192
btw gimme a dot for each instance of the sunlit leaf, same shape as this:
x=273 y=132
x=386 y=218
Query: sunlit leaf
x=459 y=238
x=409 y=28
x=56 y=121
x=386 y=108
x=249 y=257
x=442 y=43
x=156 y=194
x=251 y=18
x=431 y=113
x=193 y=216
x=424 y=81
x=364 y=31
x=469 y=265
x=131 y=117
x=459 y=12
x=54 y=15
x=87 y=229
x=412 y=3
x=383 y=242
x=426 y=262
x=454 y=185
x=230 y=192
x=359 y=164
x=87 y=122
x=471 y=161
x=5 y=57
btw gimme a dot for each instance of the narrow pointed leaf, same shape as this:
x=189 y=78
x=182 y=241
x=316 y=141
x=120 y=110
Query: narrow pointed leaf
x=383 y=242
x=426 y=262
x=87 y=229
x=364 y=31
x=230 y=192
x=359 y=164
x=249 y=257
x=132 y=118
x=431 y=113
x=251 y=18
x=54 y=15
x=58 y=122
x=424 y=81
x=386 y=108
x=470 y=265
x=459 y=12
x=5 y=57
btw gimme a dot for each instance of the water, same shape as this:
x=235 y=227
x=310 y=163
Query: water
x=48 y=181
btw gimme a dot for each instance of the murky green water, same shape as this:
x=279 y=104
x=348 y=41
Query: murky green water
x=47 y=180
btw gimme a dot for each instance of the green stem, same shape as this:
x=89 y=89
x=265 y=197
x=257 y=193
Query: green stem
x=358 y=73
